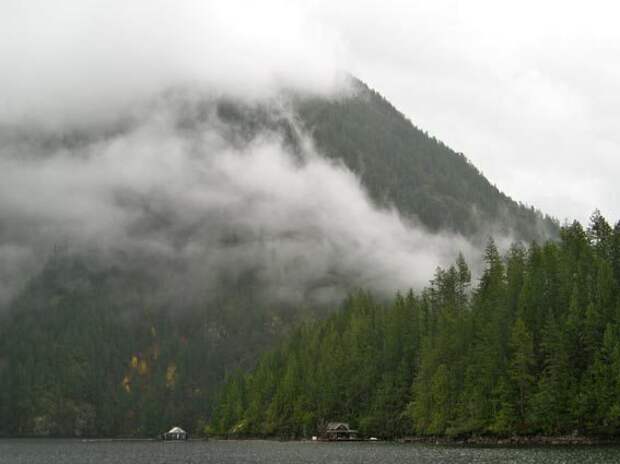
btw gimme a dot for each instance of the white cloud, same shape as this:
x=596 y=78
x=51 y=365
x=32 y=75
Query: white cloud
x=78 y=57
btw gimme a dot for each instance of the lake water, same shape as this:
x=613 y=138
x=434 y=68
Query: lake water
x=268 y=452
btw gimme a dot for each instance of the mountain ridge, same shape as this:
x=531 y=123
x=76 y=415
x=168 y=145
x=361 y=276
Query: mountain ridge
x=425 y=155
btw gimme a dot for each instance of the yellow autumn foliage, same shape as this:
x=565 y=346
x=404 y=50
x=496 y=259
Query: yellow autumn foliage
x=126 y=383
x=171 y=375
x=143 y=367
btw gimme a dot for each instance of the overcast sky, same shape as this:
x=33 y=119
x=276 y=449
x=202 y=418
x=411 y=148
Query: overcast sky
x=529 y=91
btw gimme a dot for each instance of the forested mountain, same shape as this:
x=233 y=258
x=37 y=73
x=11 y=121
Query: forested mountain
x=422 y=177
x=532 y=348
x=399 y=164
x=129 y=339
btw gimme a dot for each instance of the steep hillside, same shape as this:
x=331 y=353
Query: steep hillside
x=403 y=166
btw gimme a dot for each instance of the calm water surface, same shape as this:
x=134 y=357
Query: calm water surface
x=265 y=452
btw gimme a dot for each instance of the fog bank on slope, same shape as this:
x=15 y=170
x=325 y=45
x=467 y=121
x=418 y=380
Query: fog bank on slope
x=199 y=200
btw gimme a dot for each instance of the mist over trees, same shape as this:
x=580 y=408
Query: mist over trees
x=216 y=187
x=207 y=181
x=144 y=258
x=531 y=348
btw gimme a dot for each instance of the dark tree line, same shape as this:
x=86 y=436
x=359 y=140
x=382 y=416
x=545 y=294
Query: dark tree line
x=532 y=348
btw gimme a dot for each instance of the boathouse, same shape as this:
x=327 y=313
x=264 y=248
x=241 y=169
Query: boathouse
x=339 y=431
x=175 y=433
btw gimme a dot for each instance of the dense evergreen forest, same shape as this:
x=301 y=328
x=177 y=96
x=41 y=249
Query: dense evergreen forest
x=533 y=347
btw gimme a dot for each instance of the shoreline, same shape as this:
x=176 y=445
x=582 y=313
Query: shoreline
x=517 y=440
x=534 y=440
x=514 y=441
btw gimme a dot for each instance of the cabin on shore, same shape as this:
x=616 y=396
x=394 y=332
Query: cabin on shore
x=175 y=434
x=336 y=431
